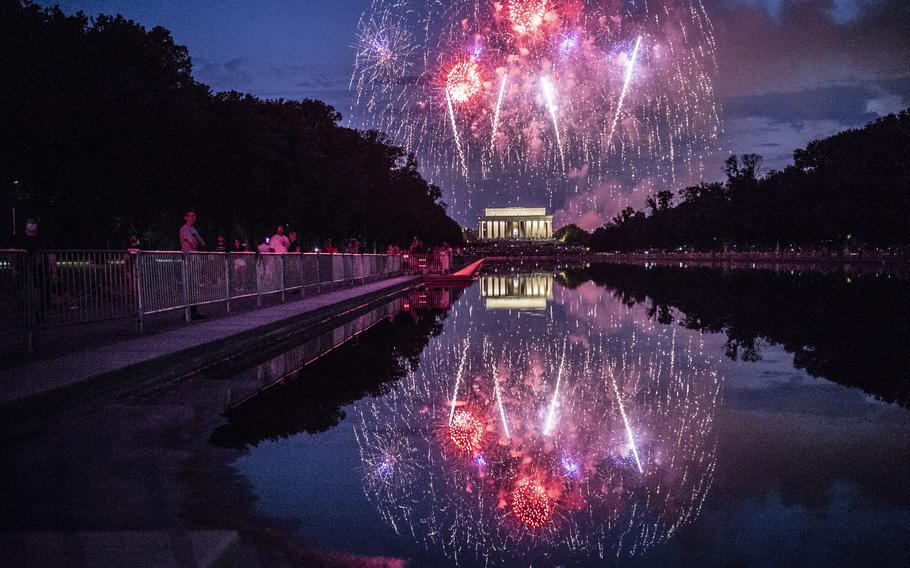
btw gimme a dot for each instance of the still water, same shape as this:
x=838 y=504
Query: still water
x=605 y=415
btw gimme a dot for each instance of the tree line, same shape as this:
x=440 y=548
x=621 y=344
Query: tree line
x=849 y=190
x=106 y=134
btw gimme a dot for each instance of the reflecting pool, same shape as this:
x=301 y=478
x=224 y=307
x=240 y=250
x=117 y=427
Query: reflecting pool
x=600 y=415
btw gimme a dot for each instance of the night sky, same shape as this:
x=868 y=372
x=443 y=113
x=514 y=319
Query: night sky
x=789 y=71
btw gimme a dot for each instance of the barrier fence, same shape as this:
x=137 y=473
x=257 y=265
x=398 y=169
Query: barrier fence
x=60 y=287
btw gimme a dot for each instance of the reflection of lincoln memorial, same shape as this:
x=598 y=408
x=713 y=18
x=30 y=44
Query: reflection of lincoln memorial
x=500 y=223
x=513 y=292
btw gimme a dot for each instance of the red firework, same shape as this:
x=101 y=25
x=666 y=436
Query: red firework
x=531 y=505
x=465 y=431
x=527 y=15
x=463 y=81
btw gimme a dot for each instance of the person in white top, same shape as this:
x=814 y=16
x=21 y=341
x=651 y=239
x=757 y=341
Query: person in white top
x=279 y=242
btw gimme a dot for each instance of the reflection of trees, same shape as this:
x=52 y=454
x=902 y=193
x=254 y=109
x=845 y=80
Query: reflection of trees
x=311 y=399
x=850 y=330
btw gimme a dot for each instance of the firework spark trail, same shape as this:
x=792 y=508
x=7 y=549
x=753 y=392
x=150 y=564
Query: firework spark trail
x=464 y=356
x=625 y=419
x=549 y=93
x=464 y=165
x=502 y=412
x=625 y=88
x=502 y=91
x=548 y=427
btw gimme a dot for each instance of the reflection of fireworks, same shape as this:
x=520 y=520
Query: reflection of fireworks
x=602 y=445
x=521 y=91
x=531 y=505
x=387 y=462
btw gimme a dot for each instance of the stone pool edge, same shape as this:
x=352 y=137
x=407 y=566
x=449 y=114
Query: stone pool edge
x=180 y=352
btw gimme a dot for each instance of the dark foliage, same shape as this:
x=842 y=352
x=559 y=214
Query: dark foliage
x=851 y=330
x=572 y=234
x=107 y=133
x=851 y=189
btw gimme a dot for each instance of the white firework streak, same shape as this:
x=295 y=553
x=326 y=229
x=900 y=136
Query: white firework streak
x=625 y=419
x=502 y=412
x=625 y=88
x=464 y=165
x=549 y=94
x=548 y=426
x=502 y=91
x=464 y=356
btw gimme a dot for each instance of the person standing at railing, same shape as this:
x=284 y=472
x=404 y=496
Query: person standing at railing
x=444 y=254
x=39 y=269
x=292 y=238
x=31 y=239
x=190 y=241
x=279 y=242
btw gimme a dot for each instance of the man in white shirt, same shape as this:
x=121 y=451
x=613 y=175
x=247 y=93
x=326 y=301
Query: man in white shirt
x=190 y=241
x=279 y=242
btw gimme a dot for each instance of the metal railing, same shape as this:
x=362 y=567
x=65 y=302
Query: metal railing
x=53 y=288
x=430 y=263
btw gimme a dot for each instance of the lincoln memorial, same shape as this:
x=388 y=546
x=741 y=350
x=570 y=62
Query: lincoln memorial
x=500 y=223
x=514 y=292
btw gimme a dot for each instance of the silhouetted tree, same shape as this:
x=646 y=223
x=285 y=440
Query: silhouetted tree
x=852 y=188
x=107 y=132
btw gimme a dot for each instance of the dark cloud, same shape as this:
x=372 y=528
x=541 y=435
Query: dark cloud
x=791 y=71
x=806 y=44
x=233 y=74
x=842 y=103
x=322 y=81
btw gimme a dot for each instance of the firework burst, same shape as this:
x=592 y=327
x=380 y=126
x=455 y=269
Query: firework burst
x=500 y=95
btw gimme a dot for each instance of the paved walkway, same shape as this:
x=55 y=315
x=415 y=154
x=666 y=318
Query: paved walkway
x=133 y=549
x=181 y=351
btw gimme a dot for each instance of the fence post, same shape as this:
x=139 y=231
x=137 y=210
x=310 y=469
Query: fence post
x=281 y=274
x=186 y=288
x=137 y=278
x=30 y=305
x=318 y=277
x=227 y=281
x=258 y=278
